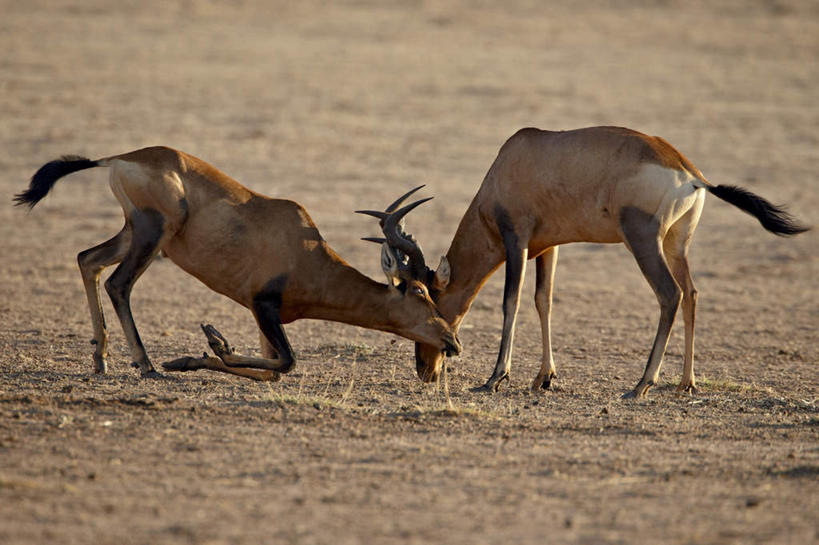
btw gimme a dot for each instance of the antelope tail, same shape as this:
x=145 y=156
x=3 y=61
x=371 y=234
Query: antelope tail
x=772 y=217
x=45 y=178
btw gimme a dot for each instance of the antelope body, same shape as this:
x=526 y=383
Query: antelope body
x=266 y=254
x=599 y=184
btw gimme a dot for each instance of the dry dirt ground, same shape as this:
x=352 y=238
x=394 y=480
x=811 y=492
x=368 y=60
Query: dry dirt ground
x=345 y=107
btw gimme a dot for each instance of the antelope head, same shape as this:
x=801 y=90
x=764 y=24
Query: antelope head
x=405 y=268
x=428 y=358
x=403 y=248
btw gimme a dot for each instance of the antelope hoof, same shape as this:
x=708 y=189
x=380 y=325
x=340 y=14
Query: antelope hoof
x=687 y=389
x=492 y=385
x=486 y=388
x=638 y=392
x=100 y=365
x=146 y=370
x=217 y=342
x=543 y=382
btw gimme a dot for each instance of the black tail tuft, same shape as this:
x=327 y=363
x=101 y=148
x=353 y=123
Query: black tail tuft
x=773 y=218
x=45 y=178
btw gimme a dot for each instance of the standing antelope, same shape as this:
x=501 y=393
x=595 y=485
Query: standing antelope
x=600 y=184
x=265 y=254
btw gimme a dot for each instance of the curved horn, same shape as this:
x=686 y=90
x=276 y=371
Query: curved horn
x=396 y=238
x=391 y=221
x=398 y=215
x=374 y=213
x=401 y=199
x=382 y=216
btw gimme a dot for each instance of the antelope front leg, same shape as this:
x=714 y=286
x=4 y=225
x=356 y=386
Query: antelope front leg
x=190 y=363
x=225 y=353
x=515 y=270
x=228 y=355
x=545 y=265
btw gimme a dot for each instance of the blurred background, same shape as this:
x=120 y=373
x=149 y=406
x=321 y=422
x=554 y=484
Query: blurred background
x=345 y=105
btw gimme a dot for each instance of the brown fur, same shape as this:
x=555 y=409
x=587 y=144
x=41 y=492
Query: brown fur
x=265 y=254
x=544 y=189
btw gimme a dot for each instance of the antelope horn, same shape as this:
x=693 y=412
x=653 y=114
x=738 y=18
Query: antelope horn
x=391 y=221
x=407 y=245
x=382 y=216
x=374 y=213
x=400 y=199
x=395 y=217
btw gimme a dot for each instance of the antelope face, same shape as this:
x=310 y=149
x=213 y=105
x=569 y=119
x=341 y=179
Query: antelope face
x=414 y=312
x=428 y=357
x=428 y=361
x=420 y=319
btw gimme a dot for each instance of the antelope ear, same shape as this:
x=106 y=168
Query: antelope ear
x=442 y=273
x=389 y=264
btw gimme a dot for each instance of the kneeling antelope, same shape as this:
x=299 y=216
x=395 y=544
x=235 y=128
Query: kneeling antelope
x=600 y=184
x=265 y=254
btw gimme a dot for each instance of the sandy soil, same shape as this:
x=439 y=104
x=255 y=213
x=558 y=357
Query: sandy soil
x=346 y=107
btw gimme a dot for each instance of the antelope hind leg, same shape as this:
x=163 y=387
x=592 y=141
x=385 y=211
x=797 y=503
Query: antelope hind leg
x=92 y=262
x=675 y=247
x=641 y=232
x=148 y=235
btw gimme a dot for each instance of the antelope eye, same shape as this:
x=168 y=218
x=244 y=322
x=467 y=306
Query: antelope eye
x=418 y=291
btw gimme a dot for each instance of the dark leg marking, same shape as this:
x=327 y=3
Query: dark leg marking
x=516 y=253
x=267 y=316
x=641 y=233
x=147 y=228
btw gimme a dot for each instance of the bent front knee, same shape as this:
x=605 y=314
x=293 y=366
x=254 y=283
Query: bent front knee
x=287 y=363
